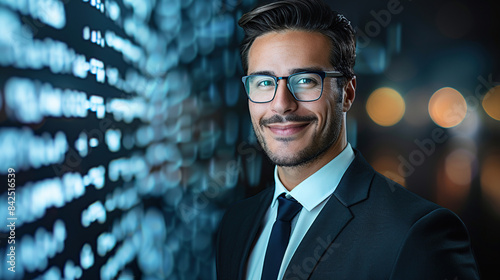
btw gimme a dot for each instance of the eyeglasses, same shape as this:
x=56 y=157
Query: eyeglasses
x=304 y=86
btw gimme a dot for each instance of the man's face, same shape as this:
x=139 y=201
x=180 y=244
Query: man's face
x=292 y=132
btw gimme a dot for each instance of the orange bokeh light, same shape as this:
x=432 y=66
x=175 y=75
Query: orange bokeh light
x=447 y=107
x=490 y=180
x=458 y=167
x=385 y=106
x=454 y=179
x=491 y=103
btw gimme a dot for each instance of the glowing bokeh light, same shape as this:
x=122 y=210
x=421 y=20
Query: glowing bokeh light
x=447 y=107
x=491 y=103
x=454 y=179
x=385 y=106
x=490 y=180
x=458 y=167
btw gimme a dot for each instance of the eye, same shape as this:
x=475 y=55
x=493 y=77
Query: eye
x=306 y=81
x=265 y=83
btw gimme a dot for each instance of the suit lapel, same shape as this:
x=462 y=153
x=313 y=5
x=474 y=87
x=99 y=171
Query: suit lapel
x=250 y=228
x=318 y=243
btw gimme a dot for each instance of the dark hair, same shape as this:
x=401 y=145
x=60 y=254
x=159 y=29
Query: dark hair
x=307 y=15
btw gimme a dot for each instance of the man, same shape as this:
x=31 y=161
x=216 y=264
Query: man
x=330 y=215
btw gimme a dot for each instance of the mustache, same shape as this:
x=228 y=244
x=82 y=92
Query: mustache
x=287 y=118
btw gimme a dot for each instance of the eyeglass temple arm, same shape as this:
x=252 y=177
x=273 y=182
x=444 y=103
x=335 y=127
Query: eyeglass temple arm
x=333 y=74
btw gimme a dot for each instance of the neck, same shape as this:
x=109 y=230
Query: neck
x=291 y=176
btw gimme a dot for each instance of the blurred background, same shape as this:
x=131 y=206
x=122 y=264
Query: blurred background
x=126 y=128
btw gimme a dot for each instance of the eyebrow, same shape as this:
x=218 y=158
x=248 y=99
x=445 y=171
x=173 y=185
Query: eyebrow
x=269 y=73
x=291 y=71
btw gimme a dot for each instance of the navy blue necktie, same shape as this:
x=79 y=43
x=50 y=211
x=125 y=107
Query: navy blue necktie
x=280 y=236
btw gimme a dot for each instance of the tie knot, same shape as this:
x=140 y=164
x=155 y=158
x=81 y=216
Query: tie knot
x=288 y=208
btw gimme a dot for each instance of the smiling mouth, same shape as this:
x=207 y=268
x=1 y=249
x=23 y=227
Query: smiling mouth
x=286 y=130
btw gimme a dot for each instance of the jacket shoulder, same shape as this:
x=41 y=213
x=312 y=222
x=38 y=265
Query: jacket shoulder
x=236 y=229
x=243 y=207
x=395 y=196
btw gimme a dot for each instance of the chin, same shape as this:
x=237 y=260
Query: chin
x=286 y=150
x=290 y=157
x=290 y=161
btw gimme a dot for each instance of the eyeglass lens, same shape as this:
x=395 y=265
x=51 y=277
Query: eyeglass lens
x=304 y=86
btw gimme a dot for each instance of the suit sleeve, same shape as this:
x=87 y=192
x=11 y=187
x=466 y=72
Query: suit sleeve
x=437 y=247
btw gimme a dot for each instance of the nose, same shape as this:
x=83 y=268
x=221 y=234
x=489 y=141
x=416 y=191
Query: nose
x=283 y=101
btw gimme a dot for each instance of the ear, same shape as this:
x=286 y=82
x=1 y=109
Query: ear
x=349 y=94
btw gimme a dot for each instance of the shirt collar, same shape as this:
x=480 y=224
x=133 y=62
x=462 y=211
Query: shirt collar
x=320 y=185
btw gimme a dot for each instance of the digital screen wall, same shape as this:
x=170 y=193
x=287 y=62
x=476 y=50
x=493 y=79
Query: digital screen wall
x=118 y=131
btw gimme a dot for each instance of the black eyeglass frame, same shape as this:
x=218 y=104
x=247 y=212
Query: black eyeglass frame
x=322 y=74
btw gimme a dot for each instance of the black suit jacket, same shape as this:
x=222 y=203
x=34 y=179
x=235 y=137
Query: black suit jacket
x=371 y=228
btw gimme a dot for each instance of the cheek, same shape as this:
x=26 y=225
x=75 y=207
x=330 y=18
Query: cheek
x=325 y=106
x=332 y=97
x=325 y=112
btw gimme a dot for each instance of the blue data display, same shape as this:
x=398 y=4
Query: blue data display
x=120 y=121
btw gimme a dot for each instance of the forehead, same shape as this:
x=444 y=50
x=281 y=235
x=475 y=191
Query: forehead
x=283 y=51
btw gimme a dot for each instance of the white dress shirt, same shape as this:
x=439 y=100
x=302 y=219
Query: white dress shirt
x=312 y=193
